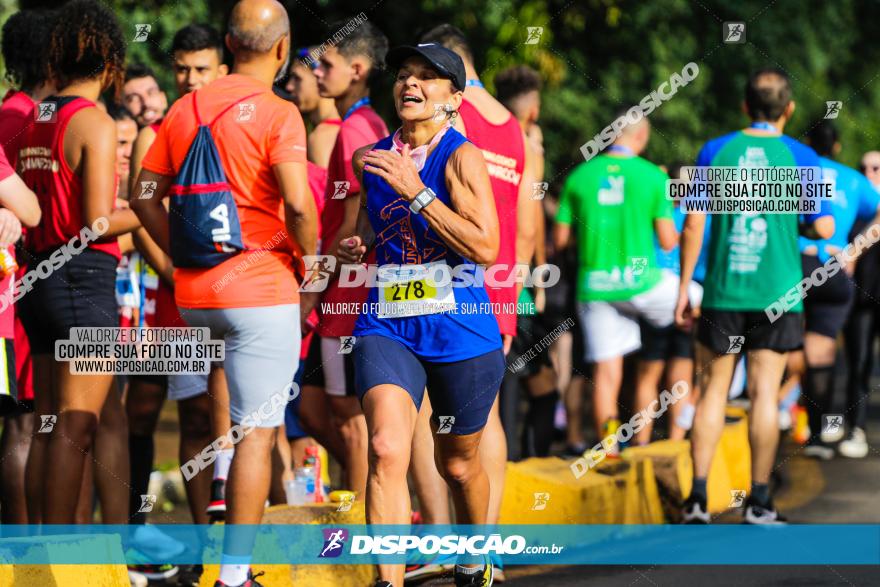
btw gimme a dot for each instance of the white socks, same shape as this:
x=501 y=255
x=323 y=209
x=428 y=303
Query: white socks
x=234 y=575
x=223 y=462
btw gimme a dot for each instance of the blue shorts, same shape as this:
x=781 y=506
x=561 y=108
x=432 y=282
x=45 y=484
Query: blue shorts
x=462 y=392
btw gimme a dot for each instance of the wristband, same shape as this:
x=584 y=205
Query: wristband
x=422 y=199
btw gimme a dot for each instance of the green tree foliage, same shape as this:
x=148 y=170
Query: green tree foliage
x=597 y=56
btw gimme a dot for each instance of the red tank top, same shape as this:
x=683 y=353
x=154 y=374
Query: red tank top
x=504 y=151
x=58 y=188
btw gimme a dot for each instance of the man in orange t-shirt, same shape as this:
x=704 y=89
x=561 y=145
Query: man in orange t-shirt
x=250 y=300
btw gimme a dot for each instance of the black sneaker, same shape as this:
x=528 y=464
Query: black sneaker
x=575 y=450
x=189 y=575
x=762 y=515
x=251 y=581
x=381 y=583
x=480 y=579
x=694 y=511
x=217 y=507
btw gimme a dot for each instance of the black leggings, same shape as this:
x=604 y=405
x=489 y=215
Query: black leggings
x=859 y=335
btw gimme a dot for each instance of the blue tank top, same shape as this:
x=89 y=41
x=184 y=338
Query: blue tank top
x=404 y=238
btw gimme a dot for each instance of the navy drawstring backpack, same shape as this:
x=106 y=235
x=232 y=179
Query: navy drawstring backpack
x=203 y=216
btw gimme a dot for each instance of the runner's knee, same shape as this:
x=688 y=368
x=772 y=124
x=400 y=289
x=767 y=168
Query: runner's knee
x=460 y=470
x=389 y=455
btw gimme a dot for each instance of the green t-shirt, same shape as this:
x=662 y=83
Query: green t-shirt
x=753 y=258
x=611 y=203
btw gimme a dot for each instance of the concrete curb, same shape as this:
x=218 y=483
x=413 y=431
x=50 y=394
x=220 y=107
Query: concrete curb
x=646 y=486
x=64 y=575
x=312 y=575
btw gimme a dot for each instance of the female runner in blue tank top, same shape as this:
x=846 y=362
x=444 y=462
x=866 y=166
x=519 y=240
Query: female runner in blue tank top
x=428 y=209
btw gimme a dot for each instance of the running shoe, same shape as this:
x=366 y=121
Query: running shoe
x=818 y=450
x=155 y=544
x=136 y=579
x=251 y=581
x=855 y=446
x=610 y=429
x=381 y=583
x=190 y=575
x=217 y=507
x=575 y=450
x=497 y=569
x=785 y=419
x=694 y=511
x=498 y=575
x=483 y=578
x=762 y=515
x=417 y=573
x=152 y=572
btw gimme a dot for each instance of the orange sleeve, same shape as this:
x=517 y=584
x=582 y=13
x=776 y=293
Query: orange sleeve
x=287 y=141
x=158 y=158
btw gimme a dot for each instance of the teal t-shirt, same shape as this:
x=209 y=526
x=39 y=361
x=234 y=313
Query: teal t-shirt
x=754 y=258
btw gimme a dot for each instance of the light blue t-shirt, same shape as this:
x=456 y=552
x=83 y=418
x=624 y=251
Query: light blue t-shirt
x=672 y=260
x=854 y=199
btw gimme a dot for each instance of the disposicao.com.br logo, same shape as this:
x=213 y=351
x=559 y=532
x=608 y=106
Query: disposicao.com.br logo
x=478 y=544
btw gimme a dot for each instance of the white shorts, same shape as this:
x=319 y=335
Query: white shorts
x=611 y=329
x=338 y=367
x=186 y=385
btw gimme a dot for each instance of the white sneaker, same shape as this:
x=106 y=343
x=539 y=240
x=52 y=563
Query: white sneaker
x=855 y=446
x=819 y=451
x=762 y=516
x=695 y=512
x=136 y=579
x=784 y=420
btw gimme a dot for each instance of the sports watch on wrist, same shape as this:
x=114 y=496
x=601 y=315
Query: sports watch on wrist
x=422 y=199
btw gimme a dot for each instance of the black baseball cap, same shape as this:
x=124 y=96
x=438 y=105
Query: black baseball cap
x=446 y=62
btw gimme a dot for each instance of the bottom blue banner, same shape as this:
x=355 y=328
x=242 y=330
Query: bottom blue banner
x=512 y=544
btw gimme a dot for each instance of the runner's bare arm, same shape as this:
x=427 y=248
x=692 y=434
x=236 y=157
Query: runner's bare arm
x=10 y=228
x=96 y=166
x=667 y=236
x=470 y=227
x=822 y=228
x=561 y=236
x=353 y=245
x=18 y=198
x=142 y=144
x=151 y=210
x=300 y=213
x=154 y=255
x=527 y=212
x=691 y=243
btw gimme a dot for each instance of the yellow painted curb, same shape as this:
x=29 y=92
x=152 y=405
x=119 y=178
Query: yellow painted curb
x=545 y=491
x=311 y=575
x=66 y=575
x=645 y=487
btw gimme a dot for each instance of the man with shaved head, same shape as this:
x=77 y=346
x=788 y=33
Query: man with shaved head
x=261 y=143
x=616 y=203
x=753 y=259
